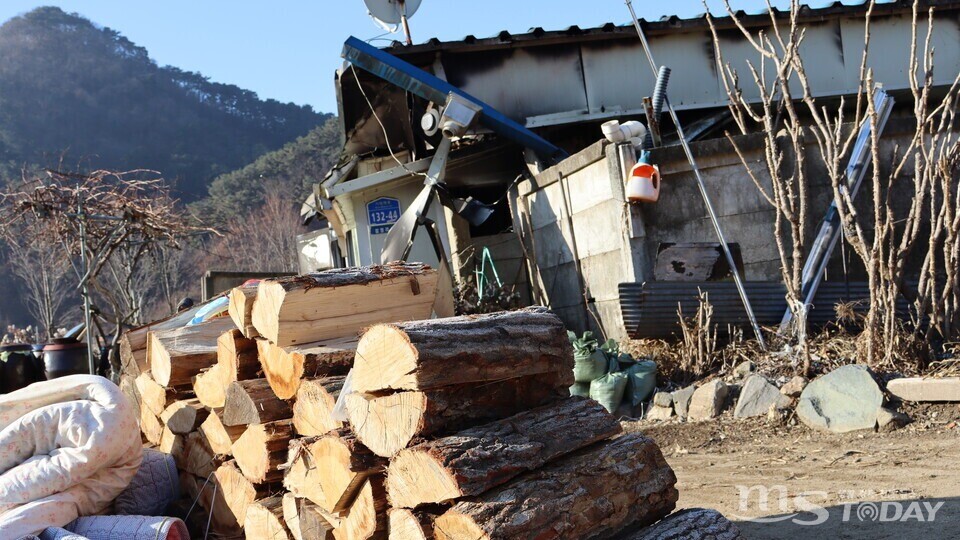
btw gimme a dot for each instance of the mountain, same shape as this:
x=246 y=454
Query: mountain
x=75 y=93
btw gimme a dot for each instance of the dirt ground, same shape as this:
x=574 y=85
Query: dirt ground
x=851 y=486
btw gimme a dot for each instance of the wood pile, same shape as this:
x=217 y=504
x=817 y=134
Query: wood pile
x=451 y=428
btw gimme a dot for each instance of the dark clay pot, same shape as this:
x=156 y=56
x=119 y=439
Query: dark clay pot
x=20 y=369
x=65 y=357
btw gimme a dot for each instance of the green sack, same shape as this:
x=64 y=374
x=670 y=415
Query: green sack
x=642 y=380
x=608 y=390
x=589 y=362
x=581 y=389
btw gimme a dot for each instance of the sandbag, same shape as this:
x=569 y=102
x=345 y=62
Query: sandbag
x=641 y=381
x=581 y=389
x=589 y=367
x=68 y=448
x=608 y=390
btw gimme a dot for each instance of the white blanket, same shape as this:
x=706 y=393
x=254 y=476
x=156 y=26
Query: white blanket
x=68 y=447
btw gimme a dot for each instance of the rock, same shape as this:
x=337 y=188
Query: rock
x=778 y=415
x=663 y=399
x=757 y=396
x=744 y=369
x=681 y=400
x=794 y=387
x=888 y=420
x=920 y=389
x=659 y=413
x=707 y=401
x=846 y=399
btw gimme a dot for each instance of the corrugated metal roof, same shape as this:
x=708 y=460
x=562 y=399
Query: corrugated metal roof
x=666 y=24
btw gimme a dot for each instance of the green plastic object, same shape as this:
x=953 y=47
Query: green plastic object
x=608 y=390
x=589 y=362
x=641 y=381
x=581 y=389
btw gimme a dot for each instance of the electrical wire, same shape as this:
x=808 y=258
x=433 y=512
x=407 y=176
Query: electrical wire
x=386 y=137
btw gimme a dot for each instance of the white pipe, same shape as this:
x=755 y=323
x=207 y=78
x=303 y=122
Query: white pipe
x=616 y=132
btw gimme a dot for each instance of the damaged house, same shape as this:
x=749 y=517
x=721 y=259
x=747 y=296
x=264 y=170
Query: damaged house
x=554 y=220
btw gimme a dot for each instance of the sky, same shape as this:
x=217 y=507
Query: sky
x=288 y=50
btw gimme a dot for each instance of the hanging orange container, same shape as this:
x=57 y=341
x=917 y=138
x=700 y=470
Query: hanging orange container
x=643 y=183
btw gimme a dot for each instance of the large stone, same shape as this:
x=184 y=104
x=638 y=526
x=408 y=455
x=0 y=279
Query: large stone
x=920 y=389
x=744 y=369
x=663 y=399
x=659 y=413
x=681 y=400
x=757 y=396
x=707 y=401
x=794 y=387
x=846 y=399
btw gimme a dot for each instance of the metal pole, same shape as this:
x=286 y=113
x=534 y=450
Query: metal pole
x=88 y=326
x=700 y=184
x=404 y=21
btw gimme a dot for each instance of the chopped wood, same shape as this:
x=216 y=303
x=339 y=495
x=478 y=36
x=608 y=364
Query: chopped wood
x=198 y=458
x=183 y=416
x=306 y=520
x=153 y=395
x=342 y=464
x=301 y=477
x=367 y=517
x=133 y=360
x=253 y=402
x=173 y=444
x=313 y=409
x=593 y=493
x=424 y=355
x=237 y=357
x=406 y=524
x=262 y=449
x=335 y=303
x=219 y=437
x=478 y=459
x=241 y=308
x=285 y=367
x=128 y=385
x=265 y=520
x=209 y=495
x=150 y=426
x=209 y=388
x=176 y=356
x=388 y=424
x=238 y=492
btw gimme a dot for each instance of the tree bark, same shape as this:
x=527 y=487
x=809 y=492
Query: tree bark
x=262 y=449
x=689 y=524
x=424 y=355
x=253 y=402
x=388 y=424
x=265 y=520
x=176 y=356
x=306 y=520
x=183 y=416
x=367 y=517
x=133 y=354
x=237 y=492
x=285 y=367
x=314 y=406
x=406 y=524
x=478 y=459
x=593 y=493
x=219 y=437
x=241 y=308
x=336 y=303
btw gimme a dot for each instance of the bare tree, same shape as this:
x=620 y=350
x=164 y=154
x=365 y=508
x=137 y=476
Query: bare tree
x=265 y=239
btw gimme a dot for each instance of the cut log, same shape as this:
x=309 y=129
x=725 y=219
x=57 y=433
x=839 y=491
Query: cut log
x=593 y=493
x=425 y=355
x=241 y=308
x=406 y=524
x=133 y=361
x=367 y=517
x=237 y=357
x=128 y=385
x=209 y=388
x=262 y=449
x=688 y=524
x=176 y=356
x=306 y=520
x=335 y=303
x=184 y=416
x=342 y=464
x=238 y=492
x=198 y=458
x=478 y=459
x=285 y=367
x=253 y=402
x=388 y=424
x=301 y=476
x=313 y=409
x=264 y=520
x=154 y=396
x=150 y=426
x=173 y=444
x=219 y=437
x=210 y=497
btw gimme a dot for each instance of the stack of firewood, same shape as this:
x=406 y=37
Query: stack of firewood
x=447 y=428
